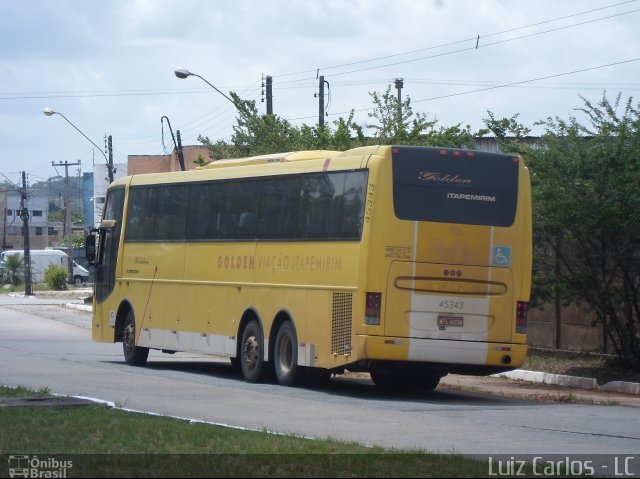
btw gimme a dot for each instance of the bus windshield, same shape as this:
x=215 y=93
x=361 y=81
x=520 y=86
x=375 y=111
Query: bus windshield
x=453 y=186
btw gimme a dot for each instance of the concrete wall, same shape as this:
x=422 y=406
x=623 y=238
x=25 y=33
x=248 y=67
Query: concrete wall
x=578 y=330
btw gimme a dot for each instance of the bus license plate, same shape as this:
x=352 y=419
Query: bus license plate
x=446 y=320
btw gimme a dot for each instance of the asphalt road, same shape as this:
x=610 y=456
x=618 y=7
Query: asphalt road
x=47 y=345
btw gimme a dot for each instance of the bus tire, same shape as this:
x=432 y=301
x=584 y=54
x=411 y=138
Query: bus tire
x=285 y=355
x=252 y=352
x=133 y=355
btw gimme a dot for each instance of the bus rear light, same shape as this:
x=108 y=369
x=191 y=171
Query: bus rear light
x=443 y=152
x=521 y=317
x=372 y=309
x=470 y=154
x=456 y=153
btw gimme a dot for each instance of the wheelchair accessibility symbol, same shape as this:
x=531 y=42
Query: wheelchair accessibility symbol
x=501 y=256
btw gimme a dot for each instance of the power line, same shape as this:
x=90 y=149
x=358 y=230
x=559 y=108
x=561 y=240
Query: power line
x=462 y=41
x=529 y=81
x=504 y=85
x=476 y=47
x=147 y=92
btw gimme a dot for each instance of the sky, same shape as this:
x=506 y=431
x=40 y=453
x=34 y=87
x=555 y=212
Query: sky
x=107 y=66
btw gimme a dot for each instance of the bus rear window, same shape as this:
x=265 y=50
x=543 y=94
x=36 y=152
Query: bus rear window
x=454 y=186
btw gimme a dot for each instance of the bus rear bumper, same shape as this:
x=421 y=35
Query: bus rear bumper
x=437 y=351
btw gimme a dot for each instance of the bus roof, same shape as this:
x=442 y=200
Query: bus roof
x=261 y=165
x=273 y=158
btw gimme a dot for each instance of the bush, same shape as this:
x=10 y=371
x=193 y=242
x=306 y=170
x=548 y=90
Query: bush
x=56 y=277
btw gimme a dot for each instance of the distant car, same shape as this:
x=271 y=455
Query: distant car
x=80 y=274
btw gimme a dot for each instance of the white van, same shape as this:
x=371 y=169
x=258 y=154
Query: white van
x=41 y=259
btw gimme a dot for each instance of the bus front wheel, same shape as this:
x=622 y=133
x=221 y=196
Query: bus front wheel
x=285 y=355
x=251 y=352
x=133 y=355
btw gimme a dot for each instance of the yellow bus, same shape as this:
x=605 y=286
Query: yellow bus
x=407 y=262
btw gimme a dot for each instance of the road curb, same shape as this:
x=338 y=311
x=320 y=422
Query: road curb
x=79 y=306
x=572 y=381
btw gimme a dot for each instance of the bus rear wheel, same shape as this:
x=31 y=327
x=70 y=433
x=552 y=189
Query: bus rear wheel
x=251 y=352
x=133 y=355
x=285 y=355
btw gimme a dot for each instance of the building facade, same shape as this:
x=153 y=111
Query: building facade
x=42 y=233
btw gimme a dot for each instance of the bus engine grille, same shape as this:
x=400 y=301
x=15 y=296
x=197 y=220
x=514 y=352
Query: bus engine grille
x=341 y=320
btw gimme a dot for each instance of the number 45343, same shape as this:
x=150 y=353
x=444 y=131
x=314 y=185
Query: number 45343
x=451 y=304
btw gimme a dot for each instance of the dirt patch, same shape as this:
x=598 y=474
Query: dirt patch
x=72 y=294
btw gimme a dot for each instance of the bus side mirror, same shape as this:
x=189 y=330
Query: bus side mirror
x=90 y=247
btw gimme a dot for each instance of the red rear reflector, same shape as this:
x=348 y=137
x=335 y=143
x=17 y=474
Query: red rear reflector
x=443 y=152
x=372 y=308
x=374 y=301
x=521 y=317
x=456 y=153
x=470 y=154
x=521 y=310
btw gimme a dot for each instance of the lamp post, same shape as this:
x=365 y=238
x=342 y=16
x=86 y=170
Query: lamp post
x=50 y=112
x=184 y=73
x=68 y=223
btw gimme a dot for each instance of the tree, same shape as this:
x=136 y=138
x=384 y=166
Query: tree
x=77 y=241
x=59 y=214
x=14 y=268
x=256 y=135
x=413 y=129
x=586 y=204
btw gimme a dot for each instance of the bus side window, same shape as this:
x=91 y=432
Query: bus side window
x=246 y=224
x=317 y=191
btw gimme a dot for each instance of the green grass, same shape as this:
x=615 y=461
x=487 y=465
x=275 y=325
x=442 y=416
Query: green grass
x=21 y=392
x=20 y=288
x=112 y=441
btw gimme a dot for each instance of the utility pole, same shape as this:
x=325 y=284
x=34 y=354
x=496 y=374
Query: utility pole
x=110 y=164
x=269 y=95
x=67 y=214
x=177 y=145
x=399 y=86
x=180 y=152
x=321 y=110
x=4 y=231
x=24 y=215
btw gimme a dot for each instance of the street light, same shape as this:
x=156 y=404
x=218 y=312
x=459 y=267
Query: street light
x=68 y=225
x=50 y=112
x=184 y=73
